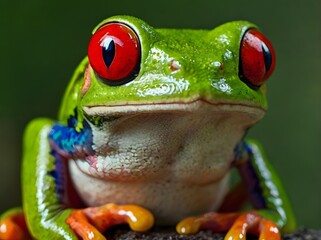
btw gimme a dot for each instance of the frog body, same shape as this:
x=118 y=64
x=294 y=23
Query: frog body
x=162 y=152
x=155 y=118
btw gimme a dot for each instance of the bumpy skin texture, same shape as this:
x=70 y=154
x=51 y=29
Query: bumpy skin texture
x=164 y=140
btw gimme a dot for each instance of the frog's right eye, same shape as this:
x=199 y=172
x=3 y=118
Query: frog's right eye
x=114 y=53
x=257 y=58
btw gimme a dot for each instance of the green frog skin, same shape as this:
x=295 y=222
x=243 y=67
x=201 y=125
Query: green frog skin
x=150 y=126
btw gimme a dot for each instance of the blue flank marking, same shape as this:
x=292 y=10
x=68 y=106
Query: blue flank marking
x=59 y=176
x=67 y=143
x=71 y=143
x=252 y=181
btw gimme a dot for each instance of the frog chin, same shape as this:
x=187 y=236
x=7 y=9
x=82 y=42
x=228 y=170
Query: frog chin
x=137 y=141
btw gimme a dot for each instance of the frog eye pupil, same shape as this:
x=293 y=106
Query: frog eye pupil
x=108 y=48
x=257 y=58
x=114 y=53
x=267 y=57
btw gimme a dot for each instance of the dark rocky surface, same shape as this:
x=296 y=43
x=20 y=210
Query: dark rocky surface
x=170 y=234
x=303 y=233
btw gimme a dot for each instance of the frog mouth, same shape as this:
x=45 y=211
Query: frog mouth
x=195 y=105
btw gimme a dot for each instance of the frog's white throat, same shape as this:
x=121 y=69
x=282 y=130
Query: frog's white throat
x=136 y=138
x=179 y=153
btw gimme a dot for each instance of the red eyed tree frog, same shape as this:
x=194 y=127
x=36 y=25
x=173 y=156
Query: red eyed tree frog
x=150 y=126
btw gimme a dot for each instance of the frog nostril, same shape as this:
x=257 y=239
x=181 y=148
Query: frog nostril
x=175 y=65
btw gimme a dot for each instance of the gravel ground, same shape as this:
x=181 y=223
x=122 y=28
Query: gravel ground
x=169 y=234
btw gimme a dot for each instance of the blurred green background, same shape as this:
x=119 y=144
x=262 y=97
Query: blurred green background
x=41 y=43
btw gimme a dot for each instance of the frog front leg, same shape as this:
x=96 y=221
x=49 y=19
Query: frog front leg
x=265 y=189
x=89 y=223
x=273 y=211
x=44 y=193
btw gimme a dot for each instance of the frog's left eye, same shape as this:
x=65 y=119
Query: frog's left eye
x=257 y=58
x=114 y=53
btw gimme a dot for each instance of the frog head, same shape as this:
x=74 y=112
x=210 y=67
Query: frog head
x=133 y=68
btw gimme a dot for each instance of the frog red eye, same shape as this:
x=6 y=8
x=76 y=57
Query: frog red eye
x=257 y=58
x=114 y=53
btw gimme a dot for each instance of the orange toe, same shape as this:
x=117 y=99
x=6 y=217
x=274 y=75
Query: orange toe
x=253 y=223
x=93 y=221
x=216 y=222
x=13 y=226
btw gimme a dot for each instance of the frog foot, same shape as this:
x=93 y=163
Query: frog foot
x=90 y=223
x=13 y=226
x=236 y=225
x=252 y=222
